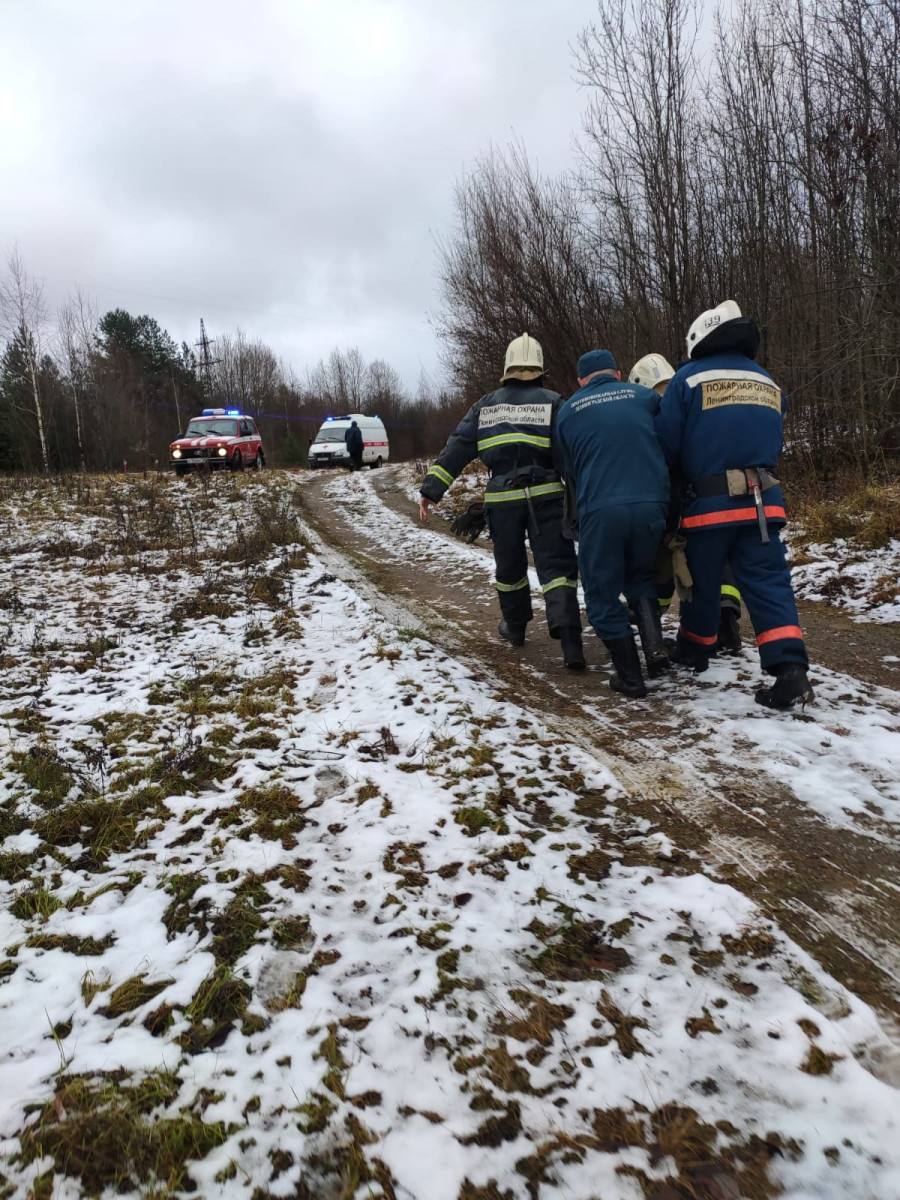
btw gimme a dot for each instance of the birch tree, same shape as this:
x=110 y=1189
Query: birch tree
x=23 y=316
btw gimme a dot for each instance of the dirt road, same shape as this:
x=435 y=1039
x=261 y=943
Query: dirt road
x=832 y=886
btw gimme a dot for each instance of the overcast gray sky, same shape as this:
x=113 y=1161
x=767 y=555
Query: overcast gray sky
x=282 y=165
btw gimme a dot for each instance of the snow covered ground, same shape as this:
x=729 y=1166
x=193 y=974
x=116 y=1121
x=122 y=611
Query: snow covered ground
x=292 y=904
x=864 y=582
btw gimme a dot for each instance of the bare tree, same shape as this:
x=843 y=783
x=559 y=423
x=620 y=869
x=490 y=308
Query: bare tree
x=23 y=314
x=339 y=383
x=518 y=262
x=639 y=158
x=75 y=335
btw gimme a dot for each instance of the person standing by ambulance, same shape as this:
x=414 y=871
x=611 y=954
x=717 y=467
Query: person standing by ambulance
x=720 y=423
x=353 y=439
x=511 y=430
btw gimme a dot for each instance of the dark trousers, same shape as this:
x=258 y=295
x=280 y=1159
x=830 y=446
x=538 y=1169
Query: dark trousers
x=356 y=460
x=617 y=549
x=554 y=559
x=764 y=578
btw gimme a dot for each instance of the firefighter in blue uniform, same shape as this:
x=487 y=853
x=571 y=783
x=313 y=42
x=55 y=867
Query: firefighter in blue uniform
x=655 y=371
x=720 y=423
x=612 y=453
x=512 y=430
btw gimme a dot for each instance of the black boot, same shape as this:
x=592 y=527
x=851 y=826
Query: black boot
x=656 y=655
x=628 y=678
x=514 y=634
x=730 y=631
x=791 y=684
x=572 y=648
x=689 y=654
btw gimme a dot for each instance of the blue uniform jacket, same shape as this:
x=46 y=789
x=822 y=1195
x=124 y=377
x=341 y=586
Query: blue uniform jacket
x=610 y=446
x=718 y=414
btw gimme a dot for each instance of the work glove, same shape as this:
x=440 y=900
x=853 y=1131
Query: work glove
x=469 y=525
x=675 y=543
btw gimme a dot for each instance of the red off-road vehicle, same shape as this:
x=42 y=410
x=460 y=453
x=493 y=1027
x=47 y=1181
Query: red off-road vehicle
x=219 y=437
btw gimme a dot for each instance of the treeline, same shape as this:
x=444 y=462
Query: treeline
x=80 y=391
x=754 y=158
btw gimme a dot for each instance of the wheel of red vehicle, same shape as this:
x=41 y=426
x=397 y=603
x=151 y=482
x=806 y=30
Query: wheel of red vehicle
x=259 y=462
x=237 y=463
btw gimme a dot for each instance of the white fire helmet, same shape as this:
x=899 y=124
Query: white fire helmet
x=524 y=353
x=652 y=371
x=710 y=321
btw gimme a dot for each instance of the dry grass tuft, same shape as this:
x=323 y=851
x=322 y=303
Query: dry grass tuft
x=868 y=516
x=817 y=1062
x=578 y=950
x=108 y=1132
x=132 y=994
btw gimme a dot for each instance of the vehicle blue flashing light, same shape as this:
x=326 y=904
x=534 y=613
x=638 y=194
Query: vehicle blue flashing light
x=329 y=418
x=232 y=412
x=207 y=412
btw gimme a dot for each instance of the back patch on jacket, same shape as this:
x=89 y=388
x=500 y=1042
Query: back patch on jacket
x=514 y=414
x=720 y=388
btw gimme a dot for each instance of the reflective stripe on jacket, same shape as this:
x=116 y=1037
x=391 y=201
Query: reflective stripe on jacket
x=510 y=430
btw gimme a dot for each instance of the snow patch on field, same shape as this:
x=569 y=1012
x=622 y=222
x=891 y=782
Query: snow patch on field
x=866 y=583
x=362 y=923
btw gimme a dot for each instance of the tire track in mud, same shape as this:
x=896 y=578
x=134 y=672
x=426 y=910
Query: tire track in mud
x=834 y=890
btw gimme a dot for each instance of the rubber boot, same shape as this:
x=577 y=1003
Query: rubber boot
x=791 y=684
x=689 y=654
x=514 y=634
x=730 y=631
x=572 y=648
x=656 y=655
x=628 y=678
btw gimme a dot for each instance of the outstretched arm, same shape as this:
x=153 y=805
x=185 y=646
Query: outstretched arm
x=461 y=448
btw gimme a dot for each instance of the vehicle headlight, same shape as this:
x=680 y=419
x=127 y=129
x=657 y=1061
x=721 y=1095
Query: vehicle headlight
x=222 y=451
x=176 y=454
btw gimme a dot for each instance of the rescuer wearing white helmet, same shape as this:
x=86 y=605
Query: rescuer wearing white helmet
x=720 y=424
x=654 y=371
x=512 y=431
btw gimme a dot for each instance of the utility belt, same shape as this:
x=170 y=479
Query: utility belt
x=523 y=483
x=743 y=481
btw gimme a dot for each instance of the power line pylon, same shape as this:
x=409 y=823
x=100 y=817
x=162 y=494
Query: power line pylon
x=207 y=362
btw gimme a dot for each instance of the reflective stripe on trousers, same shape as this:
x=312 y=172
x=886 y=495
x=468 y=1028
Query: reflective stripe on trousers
x=562 y=581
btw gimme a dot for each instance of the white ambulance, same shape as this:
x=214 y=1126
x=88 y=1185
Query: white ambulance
x=330 y=450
